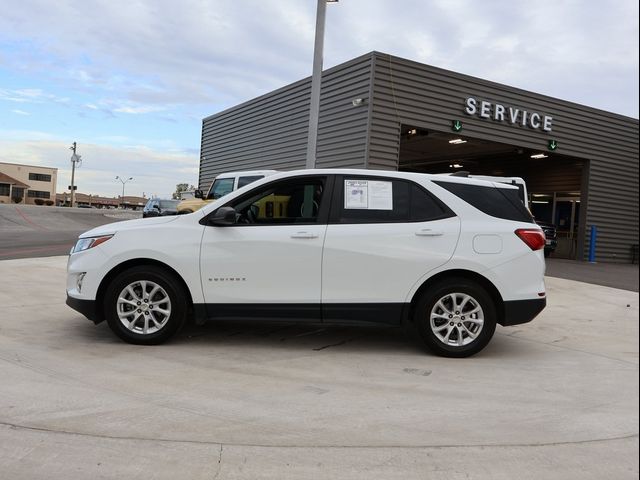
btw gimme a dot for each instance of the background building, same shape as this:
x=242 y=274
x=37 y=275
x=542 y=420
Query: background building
x=25 y=183
x=383 y=112
x=96 y=201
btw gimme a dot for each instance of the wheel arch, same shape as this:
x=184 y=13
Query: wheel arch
x=459 y=273
x=137 y=262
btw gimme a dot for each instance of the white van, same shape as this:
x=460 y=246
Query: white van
x=223 y=184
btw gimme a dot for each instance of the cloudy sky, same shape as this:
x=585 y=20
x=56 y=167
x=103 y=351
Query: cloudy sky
x=131 y=81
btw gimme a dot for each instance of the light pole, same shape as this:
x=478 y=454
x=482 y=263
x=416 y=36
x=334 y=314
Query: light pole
x=316 y=78
x=123 y=184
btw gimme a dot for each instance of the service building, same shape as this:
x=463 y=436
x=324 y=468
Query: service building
x=379 y=111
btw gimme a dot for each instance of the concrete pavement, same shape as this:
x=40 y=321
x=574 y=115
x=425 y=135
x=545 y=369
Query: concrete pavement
x=556 y=398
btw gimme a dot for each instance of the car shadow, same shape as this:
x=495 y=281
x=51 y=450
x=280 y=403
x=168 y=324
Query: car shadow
x=316 y=337
x=298 y=338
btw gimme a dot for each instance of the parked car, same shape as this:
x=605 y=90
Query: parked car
x=158 y=207
x=551 y=236
x=222 y=185
x=451 y=257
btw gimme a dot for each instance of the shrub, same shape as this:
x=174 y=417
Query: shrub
x=48 y=203
x=38 y=201
x=16 y=199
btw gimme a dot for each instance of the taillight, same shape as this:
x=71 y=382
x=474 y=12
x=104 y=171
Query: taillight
x=534 y=238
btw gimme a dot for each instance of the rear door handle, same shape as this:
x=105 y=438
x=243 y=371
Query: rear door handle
x=427 y=232
x=304 y=235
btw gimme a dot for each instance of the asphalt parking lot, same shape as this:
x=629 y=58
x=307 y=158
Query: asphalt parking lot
x=556 y=398
x=28 y=231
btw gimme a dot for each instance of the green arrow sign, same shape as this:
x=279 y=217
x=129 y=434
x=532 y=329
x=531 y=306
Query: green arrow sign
x=456 y=125
x=553 y=145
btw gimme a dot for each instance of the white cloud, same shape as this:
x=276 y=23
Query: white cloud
x=20 y=112
x=156 y=55
x=138 y=109
x=30 y=95
x=163 y=52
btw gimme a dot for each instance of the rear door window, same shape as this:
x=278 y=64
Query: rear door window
x=384 y=200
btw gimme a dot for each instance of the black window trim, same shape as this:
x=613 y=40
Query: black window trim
x=336 y=204
x=323 y=214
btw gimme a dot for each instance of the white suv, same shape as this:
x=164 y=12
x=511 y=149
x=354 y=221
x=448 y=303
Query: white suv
x=450 y=256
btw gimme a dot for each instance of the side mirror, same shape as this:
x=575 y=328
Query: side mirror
x=198 y=194
x=223 y=216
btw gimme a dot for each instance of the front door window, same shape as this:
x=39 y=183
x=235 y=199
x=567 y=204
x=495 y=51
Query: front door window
x=290 y=202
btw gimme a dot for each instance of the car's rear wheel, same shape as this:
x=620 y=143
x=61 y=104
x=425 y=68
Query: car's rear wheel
x=455 y=318
x=145 y=305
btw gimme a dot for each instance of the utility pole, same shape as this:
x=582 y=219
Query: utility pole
x=74 y=159
x=316 y=78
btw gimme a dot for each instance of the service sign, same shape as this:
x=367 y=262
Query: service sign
x=505 y=113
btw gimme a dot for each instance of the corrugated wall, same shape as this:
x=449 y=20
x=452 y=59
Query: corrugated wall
x=407 y=92
x=270 y=132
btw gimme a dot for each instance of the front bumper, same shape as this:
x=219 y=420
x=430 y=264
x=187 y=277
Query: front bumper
x=522 y=311
x=86 y=308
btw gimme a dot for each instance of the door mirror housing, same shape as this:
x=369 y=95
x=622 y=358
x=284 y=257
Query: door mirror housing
x=198 y=194
x=223 y=216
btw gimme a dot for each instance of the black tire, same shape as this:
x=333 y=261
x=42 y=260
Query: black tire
x=463 y=325
x=547 y=253
x=170 y=297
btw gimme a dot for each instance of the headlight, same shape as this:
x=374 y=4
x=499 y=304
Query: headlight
x=86 y=243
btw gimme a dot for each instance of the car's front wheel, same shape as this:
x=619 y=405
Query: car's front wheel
x=455 y=318
x=145 y=305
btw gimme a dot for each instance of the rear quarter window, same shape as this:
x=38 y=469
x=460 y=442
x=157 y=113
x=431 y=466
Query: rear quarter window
x=497 y=202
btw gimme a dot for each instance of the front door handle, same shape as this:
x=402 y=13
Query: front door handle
x=304 y=235
x=427 y=232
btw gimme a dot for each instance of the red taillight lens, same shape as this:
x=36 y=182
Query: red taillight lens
x=534 y=238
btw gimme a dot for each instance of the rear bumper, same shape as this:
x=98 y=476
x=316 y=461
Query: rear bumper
x=85 y=307
x=522 y=311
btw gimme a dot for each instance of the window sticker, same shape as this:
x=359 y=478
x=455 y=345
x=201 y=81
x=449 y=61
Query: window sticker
x=356 y=194
x=380 y=195
x=368 y=195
